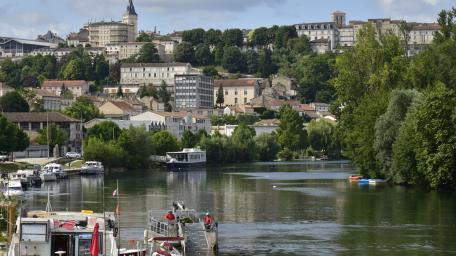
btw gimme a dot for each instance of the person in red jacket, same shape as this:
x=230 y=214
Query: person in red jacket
x=208 y=221
x=170 y=216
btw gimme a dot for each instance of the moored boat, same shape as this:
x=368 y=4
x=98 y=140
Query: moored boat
x=376 y=181
x=188 y=157
x=355 y=178
x=92 y=167
x=57 y=169
x=363 y=181
x=13 y=188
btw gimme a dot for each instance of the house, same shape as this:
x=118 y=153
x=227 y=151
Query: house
x=237 y=91
x=263 y=126
x=4 y=89
x=176 y=122
x=50 y=100
x=76 y=87
x=32 y=122
x=127 y=90
x=315 y=111
x=117 y=110
x=282 y=87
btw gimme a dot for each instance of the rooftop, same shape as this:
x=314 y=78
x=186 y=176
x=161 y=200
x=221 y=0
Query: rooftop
x=44 y=93
x=67 y=83
x=55 y=117
x=137 y=65
x=124 y=106
x=235 y=82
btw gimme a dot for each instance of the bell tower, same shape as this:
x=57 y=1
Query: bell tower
x=130 y=17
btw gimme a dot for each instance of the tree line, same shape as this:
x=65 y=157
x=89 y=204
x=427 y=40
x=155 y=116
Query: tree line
x=397 y=112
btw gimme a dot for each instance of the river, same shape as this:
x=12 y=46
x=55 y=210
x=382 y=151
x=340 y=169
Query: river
x=298 y=208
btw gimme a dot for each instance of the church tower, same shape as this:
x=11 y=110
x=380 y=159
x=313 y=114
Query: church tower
x=131 y=18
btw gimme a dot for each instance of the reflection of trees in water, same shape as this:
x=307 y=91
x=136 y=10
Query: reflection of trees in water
x=397 y=219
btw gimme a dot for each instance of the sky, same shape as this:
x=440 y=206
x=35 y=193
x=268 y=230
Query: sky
x=28 y=18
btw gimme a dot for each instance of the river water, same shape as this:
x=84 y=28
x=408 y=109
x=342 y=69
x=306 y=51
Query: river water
x=305 y=208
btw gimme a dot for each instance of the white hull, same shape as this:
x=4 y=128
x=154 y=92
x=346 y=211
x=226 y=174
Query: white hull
x=48 y=177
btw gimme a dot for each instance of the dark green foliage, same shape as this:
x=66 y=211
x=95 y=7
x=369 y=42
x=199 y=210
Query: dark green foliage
x=291 y=133
x=267 y=147
x=232 y=120
x=105 y=131
x=83 y=108
x=266 y=66
x=189 y=140
x=52 y=135
x=184 y=53
x=320 y=135
x=110 y=154
x=232 y=37
x=213 y=37
x=220 y=96
x=11 y=137
x=233 y=60
x=203 y=55
x=210 y=71
x=13 y=102
x=194 y=37
x=148 y=91
x=244 y=143
x=251 y=61
x=164 y=96
x=137 y=142
x=144 y=37
x=148 y=54
x=163 y=142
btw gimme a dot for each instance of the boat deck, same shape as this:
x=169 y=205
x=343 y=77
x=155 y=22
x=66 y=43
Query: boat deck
x=197 y=243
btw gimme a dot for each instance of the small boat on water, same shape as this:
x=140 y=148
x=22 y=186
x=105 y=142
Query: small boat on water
x=355 y=178
x=363 y=181
x=376 y=181
x=48 y=176
x=188 y=157
x=57 y=169
x=27 y=177
x=92 y=167
x=13 y=188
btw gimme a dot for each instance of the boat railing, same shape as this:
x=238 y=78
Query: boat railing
x=160 y=227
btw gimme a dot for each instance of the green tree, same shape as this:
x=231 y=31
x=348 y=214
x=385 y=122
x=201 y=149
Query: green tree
x=143 y=37
x=251 y=59
x=282 y=35
x=218 y=53
x=203 y=55
x=232 y=59
x=148 y=54
x=101 y=68
x=243 y=138
x=267 y=147
x=261 y=37
x=220 y=96
x=138 y=144
x=52 y=135
x=11 y=137
x=213 y=37
x=291 y=133
x=266 y=66
x=119 y=92
x=194 y=36
x=165 y=96
x=387 y=128
x=110 y=154
x=13 y=102
x=232 y=37
x=189 y=140
x=105 y=131
x=164 y=142
x=299 y=46
x=210 y=71
x=74 y=70
x=83 y=108
x=184 y=53
x=148 y=90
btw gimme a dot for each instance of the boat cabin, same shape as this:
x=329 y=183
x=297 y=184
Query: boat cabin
x=186 y=157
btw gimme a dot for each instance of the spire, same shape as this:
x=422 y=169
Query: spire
x=131 y=8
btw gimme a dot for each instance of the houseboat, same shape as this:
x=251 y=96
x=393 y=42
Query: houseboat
x=13 y=188
x=92 y=167
x=57 y=169
x=188 y=157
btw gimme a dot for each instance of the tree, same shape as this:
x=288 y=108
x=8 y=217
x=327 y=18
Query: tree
x=164 y=142
x=210 y=71
x=165 y=96
x=291 y=133
x=213 y=37
x=220 y=96
x=83 y=108
x=137 y=142
x=320 y=135
x=261 y=37
x=184 y=53
x=251 y=59
x=11 y=137
x=267 y=147
x=110 y=154
x=282 y=35
x=13 y=102
x=52 y=135
x=218 y=53
x=232 y=37
x=148 y=91
x=266 y=66
x=119 y=92
x=74 y=70
x=105 y=131
x=148 y=54
x=194 y=36
x=101 y=68
x=232 y=59
x=203 y=55
x=144 y=37
x=243 y=140
x=387 y=128
x=189 y=140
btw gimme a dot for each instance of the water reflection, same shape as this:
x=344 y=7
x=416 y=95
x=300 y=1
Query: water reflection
x=275 y=209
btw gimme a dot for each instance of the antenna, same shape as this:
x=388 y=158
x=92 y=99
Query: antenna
x=48 y=205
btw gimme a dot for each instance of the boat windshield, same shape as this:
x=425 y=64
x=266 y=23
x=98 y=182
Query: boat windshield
x=179 y=156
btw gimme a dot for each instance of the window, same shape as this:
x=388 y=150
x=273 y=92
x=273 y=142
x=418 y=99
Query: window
x=235 y=93
x=226 y=92
x=235 y=101
x=245 y=92
x=245 y=100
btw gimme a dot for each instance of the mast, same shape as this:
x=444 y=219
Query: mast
x=118 y=218
x=104 y=218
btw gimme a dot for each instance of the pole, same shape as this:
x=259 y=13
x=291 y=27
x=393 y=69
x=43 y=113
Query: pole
x=82 y=137
x=118 y=219
x=47 y=131
x=104 y=218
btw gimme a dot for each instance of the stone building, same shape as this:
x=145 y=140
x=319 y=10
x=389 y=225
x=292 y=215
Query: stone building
x=77 y=87
x=237 y=91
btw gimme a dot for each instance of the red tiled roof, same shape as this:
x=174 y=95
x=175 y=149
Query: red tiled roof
x=235 y=82
x=67 y=83
x=306 y=107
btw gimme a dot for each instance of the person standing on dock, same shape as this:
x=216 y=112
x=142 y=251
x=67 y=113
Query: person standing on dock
x=208 y=221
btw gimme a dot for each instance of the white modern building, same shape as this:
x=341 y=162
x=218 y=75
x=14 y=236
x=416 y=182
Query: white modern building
x=176 y=122
x=152 y=73
x=193 y=91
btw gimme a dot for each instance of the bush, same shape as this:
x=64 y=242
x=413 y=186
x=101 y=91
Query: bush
x=285 y=155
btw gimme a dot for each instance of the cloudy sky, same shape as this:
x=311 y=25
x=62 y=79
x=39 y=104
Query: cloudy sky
x=27 y=18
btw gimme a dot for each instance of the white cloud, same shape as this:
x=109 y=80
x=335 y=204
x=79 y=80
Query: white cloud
x=417 y=10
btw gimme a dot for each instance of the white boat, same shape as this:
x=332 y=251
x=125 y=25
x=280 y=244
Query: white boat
x=188 y=157
x=48 y=176
x=92 y=167
x=376 y=181
x=14 y=188
x=57 y=169
x=63 y=233
x=27 y=177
